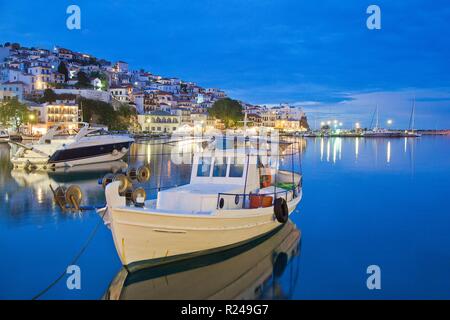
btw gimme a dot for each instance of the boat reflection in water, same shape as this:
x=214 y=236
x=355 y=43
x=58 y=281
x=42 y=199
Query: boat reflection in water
x=84 y=175
x=28 y=193
x=251 y=271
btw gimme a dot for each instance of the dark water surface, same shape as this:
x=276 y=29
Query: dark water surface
x=366 y=202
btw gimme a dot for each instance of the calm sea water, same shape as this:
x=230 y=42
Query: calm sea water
x=366 y=202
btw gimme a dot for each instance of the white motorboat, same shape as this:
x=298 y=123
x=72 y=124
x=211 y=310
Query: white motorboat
x=66 y=147
x=4 y=136
x=234 y=196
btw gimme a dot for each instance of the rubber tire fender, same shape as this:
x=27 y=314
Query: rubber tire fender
x=281 y=211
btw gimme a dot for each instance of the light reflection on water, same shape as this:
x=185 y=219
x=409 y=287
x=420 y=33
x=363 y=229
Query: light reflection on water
x=366 y=201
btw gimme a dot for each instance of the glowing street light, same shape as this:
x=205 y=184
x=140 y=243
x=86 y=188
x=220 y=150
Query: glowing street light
x=389 y=122
x=340 y=124
x=357 y=125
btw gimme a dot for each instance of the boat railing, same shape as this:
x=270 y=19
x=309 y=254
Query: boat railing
x=256 y=200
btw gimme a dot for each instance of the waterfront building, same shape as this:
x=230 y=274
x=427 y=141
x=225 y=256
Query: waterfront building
x=289 y=125
x=159 y=122
x=60 y=111
x=255 y=119
x=268 y=118
x=184 y=114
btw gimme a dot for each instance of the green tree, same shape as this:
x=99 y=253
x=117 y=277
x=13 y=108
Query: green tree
x=63 y=70
x=49 y=96
x=83 y=80
x=227 y=110
x=13 y=112
x=304 y=122
x=100 y=112
x=103 y=78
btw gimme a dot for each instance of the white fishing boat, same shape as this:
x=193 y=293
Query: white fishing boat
x=234 y=196
x=4 y=136
x=248 y=272
x=64 y=146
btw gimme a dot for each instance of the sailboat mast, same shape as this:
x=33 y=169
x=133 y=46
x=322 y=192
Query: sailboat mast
x=376 y=120
x=411 y=119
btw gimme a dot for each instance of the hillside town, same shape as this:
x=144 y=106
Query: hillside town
x=61 y=85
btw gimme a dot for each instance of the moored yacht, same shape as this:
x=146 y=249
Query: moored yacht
x=234 y=196
x=66 y=147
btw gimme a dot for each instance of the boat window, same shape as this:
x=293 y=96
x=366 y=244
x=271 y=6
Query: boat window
x=220 y=167
x=204 y=167
x=236 y=168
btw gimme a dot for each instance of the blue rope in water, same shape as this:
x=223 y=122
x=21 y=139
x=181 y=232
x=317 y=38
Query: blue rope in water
x=74 y=260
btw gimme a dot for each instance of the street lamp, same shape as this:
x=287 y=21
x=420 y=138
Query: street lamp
x=389 y=122
x=357 y=125
x=31 y=119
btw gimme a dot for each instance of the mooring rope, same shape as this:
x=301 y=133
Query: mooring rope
x=74 y=260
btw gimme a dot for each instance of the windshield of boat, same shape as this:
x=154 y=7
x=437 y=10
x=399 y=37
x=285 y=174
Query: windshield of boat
x=98 y=132
x=204 y=167
x=221 y=165
x=236 y=167
x=64 y=132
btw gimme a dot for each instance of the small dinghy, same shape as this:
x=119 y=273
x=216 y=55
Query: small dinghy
x=234 y=196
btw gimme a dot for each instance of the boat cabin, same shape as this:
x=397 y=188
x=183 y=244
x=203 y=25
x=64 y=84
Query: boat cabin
x=233 y=179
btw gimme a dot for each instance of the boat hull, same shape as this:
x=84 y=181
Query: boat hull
x=144 y=238
x=73 y=157
x=239 y=273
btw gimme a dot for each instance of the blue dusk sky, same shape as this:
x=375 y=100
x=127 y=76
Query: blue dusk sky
x=315 y=54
